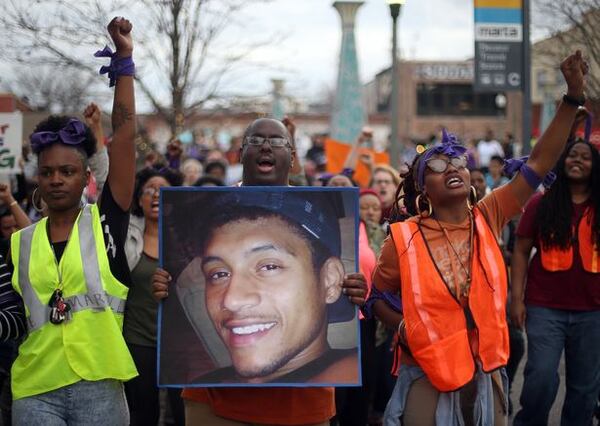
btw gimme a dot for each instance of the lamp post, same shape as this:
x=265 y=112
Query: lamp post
x=395 y=6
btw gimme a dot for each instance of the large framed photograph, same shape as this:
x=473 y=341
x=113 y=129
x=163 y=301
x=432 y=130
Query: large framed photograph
x=256 y=294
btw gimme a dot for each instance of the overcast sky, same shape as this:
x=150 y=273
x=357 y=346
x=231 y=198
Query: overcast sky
x=428 y=29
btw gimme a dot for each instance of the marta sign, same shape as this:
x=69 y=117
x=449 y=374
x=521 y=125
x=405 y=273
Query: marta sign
x=498 y=45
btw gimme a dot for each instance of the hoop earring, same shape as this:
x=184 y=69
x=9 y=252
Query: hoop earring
x=472 y=200
x=429 y=211
x=37 y=209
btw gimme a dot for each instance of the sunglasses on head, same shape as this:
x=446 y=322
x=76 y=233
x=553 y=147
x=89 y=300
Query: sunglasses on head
x=259 y=141
x=440 y=165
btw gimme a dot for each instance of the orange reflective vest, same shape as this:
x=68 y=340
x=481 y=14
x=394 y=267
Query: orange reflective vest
x=556 y=259
x=436 y=322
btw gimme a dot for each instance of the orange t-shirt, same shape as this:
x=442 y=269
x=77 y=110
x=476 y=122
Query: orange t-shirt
x=290 y=406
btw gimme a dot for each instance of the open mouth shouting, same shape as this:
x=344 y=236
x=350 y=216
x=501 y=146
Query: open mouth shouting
x=454 y=182
x=266 y=164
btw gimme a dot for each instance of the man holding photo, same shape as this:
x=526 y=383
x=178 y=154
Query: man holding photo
x=266 y=156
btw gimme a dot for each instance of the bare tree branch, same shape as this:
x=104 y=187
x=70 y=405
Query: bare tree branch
x=573 y=24
x=182 y=60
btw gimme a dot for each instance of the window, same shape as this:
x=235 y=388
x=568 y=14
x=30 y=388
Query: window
x=455 y=99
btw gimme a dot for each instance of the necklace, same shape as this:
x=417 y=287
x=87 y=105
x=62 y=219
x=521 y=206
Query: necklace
x=59 y=308
x=461 y=290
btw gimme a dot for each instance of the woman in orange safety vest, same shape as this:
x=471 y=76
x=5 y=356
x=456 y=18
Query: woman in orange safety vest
x=448 y=269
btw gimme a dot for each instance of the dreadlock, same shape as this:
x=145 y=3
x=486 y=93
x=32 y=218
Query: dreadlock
x=407 y=192
x=555 y=211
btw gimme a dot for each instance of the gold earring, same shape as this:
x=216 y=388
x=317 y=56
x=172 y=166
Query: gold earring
x=472 y=199
x=429 y=211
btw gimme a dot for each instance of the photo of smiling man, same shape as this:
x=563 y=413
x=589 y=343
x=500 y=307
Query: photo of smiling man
x=262 y=286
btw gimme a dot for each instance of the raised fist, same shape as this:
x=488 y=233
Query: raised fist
x=574 y=68
x=92 y=115
x=120 y=33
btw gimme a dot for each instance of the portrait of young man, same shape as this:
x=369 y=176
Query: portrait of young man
x=262 y=286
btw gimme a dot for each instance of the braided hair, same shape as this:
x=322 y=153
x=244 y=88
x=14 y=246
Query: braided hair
x=407 y=192
x=555 y=211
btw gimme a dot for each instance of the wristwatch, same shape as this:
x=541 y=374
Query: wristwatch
x=579 y=102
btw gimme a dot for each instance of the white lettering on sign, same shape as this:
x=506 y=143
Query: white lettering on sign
x=499 y=32
x=444 y=72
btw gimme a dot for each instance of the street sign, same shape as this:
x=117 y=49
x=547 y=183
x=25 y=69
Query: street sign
x=498 y=45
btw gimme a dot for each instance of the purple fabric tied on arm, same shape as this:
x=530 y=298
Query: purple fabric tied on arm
x=449 y=146
x=72 y=134
x=533 y=180
x=393 y=300
x=588 y=128
x=117 y=67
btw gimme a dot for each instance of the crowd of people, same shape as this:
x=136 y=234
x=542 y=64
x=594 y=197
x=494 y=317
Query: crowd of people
x=441 y=316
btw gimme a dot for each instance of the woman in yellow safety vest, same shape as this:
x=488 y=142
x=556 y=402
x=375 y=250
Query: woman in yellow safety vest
x=70 y=268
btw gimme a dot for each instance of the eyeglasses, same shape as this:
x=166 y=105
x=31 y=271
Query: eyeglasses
x=275 y=142
x=151 y=191
x=440 y=165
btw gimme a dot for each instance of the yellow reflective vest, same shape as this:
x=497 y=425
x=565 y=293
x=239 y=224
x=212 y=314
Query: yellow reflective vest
x=90 y=344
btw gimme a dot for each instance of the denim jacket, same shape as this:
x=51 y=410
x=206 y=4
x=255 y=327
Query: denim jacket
x=448 y=411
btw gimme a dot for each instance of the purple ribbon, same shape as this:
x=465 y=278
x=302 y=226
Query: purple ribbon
x=117 y=67
x=393 y=300
x=588 y=128
x=449 y=146
x=515 y=165
x=72 y=134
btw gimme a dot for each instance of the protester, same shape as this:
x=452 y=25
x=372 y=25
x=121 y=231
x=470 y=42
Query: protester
x=508 y=145
x=495 y=178
x=174 y=154
x=560 y=306
x=216 y=169
x=384 y=181
x=73 y=361
x=340 y=181
x=266 y=155
x=352 y=404
x=141 y=314
x=479 y=183
x=208 y=181
x=98 y=163
x=192 y=171
x=487 y=148
x=452 y=279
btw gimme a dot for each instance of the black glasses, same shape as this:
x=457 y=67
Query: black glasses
x=275 y=142
x=440 y=165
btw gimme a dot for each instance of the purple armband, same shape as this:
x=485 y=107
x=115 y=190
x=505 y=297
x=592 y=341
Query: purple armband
x=117 y=67
x=533 y=180
x=391 y=299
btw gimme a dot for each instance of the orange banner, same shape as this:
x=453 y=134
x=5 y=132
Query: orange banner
x=337 y=152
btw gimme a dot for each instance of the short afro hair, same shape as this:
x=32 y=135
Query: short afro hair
x=172 y=176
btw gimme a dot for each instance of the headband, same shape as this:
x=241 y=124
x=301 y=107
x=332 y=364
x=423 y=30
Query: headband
x=449 y=146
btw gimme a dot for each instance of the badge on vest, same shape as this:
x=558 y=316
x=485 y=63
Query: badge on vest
x=60 y=310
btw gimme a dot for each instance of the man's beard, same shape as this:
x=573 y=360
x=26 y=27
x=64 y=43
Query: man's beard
x=281 y=359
